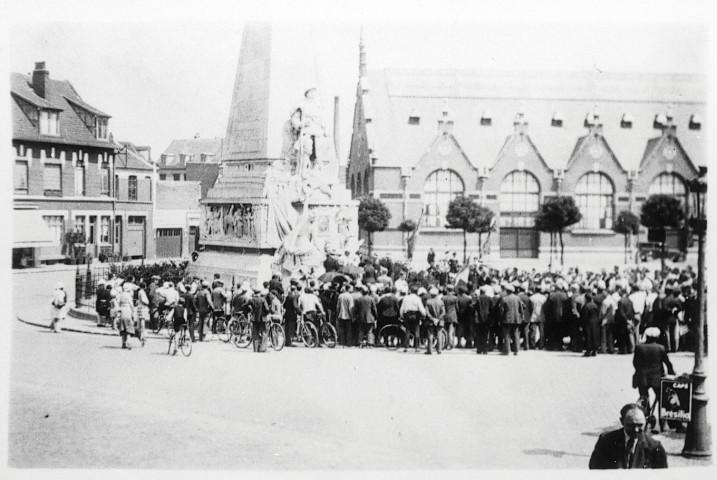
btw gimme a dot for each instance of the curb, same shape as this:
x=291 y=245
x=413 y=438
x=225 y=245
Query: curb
x=68 y=329
x=81 y=315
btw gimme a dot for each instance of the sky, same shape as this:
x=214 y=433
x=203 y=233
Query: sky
x=168 y=76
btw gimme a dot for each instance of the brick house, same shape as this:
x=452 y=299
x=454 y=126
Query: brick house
x=511 y=139
x=173 y=162
x=64 y=166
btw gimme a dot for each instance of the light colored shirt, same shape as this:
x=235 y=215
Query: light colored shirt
x=345 y=306
x=412 y=303
x=538 y=300
x=308 y=302
x=638 y=301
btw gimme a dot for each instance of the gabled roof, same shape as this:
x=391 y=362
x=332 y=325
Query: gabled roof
x=395 y=93
x=205 y=173
x=654 y=143
x=129 y=158
x=195 y=146
x=58 y=95
x=580 y=146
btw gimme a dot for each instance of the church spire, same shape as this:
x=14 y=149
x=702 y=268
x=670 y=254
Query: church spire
x=362 y=56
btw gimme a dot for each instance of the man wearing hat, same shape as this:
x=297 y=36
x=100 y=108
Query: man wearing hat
x=435 y=315
x=58 y=307
x=648 y=361
x=512 y=310
x=102 y=303
x=365 y=316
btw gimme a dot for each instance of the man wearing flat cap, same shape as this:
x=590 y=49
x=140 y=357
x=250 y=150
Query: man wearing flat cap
x=512 y=310
x=648 y=361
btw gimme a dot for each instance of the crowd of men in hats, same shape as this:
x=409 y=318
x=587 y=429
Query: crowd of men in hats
x=586 y=312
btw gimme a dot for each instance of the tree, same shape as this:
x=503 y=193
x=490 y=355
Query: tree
x=461 y=213
x=628 y=224
x=482 y=222
x=373 y=216
x=554 y=216
x=661 y=212
x=408 y=227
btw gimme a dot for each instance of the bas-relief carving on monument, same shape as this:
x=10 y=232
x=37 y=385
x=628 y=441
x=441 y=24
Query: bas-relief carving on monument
x=229 y=222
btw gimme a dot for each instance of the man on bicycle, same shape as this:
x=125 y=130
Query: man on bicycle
x=219 y=299
x=309 y=305
x=648 y=362
x=179 y=320
x=412 y=310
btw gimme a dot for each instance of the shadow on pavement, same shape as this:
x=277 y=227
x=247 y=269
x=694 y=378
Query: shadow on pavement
x=552 y=453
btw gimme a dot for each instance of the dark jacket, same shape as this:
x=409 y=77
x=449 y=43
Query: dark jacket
x=465 y=308
x=609 y=452
x=554 y=307
x=512 y=309
x=291 y=306
x=624 y=313
x=102 y=305
x=648 y=361
x=365 y=309
x=451 y=303
x=388 y=306
x=482 y=309
x=259 y=308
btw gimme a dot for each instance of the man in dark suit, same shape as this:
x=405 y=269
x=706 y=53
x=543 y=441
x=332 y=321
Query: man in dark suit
x=365 y=316
x=512 y=308
x=554 y=317
x=630 y=446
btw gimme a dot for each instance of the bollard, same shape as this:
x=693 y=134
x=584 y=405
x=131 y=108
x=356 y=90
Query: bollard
x=78 y=287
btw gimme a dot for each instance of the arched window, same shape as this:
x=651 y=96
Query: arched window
x=440 y=188
x=365 y=183
x=669 y=184
x=519 y=199
x=594 y=195
x=358 y=185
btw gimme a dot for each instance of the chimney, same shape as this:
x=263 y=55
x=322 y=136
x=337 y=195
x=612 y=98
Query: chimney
x=336 y=127
x=39 y=79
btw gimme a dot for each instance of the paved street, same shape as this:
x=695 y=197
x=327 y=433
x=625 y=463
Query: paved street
x=79 y=401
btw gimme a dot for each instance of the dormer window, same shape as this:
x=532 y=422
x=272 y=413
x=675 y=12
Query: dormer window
x=101 y=128
x=695 y=122
x=486 y=120
x=557 y=120
x=49 y=123
x=626 y=121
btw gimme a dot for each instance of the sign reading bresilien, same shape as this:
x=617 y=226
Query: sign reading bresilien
x=676 y=399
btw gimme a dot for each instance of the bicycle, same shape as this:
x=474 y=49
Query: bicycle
x=307 y=331
x=328 y=336
x=277 y=337
x=159 y=321
x=240 y=331
x=181 y=341
x=392 y=335
x=220 y=326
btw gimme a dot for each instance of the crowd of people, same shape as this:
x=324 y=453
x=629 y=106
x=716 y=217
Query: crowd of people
x=480 y=307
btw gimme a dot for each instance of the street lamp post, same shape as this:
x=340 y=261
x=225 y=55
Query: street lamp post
x=697 y=439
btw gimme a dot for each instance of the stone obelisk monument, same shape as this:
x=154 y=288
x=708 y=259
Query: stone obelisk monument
x=278 y=205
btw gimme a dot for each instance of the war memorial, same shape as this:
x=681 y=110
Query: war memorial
x=278 y=205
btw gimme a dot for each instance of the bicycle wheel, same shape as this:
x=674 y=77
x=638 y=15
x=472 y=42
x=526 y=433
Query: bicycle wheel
x=309 y=335
x=328 y=335
x=276 y=336
x=242 y=335
x=442 y=338
x=221 y=328
x=185 y=344
x=231 y=326
x=157 y=322
x=390 y=336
